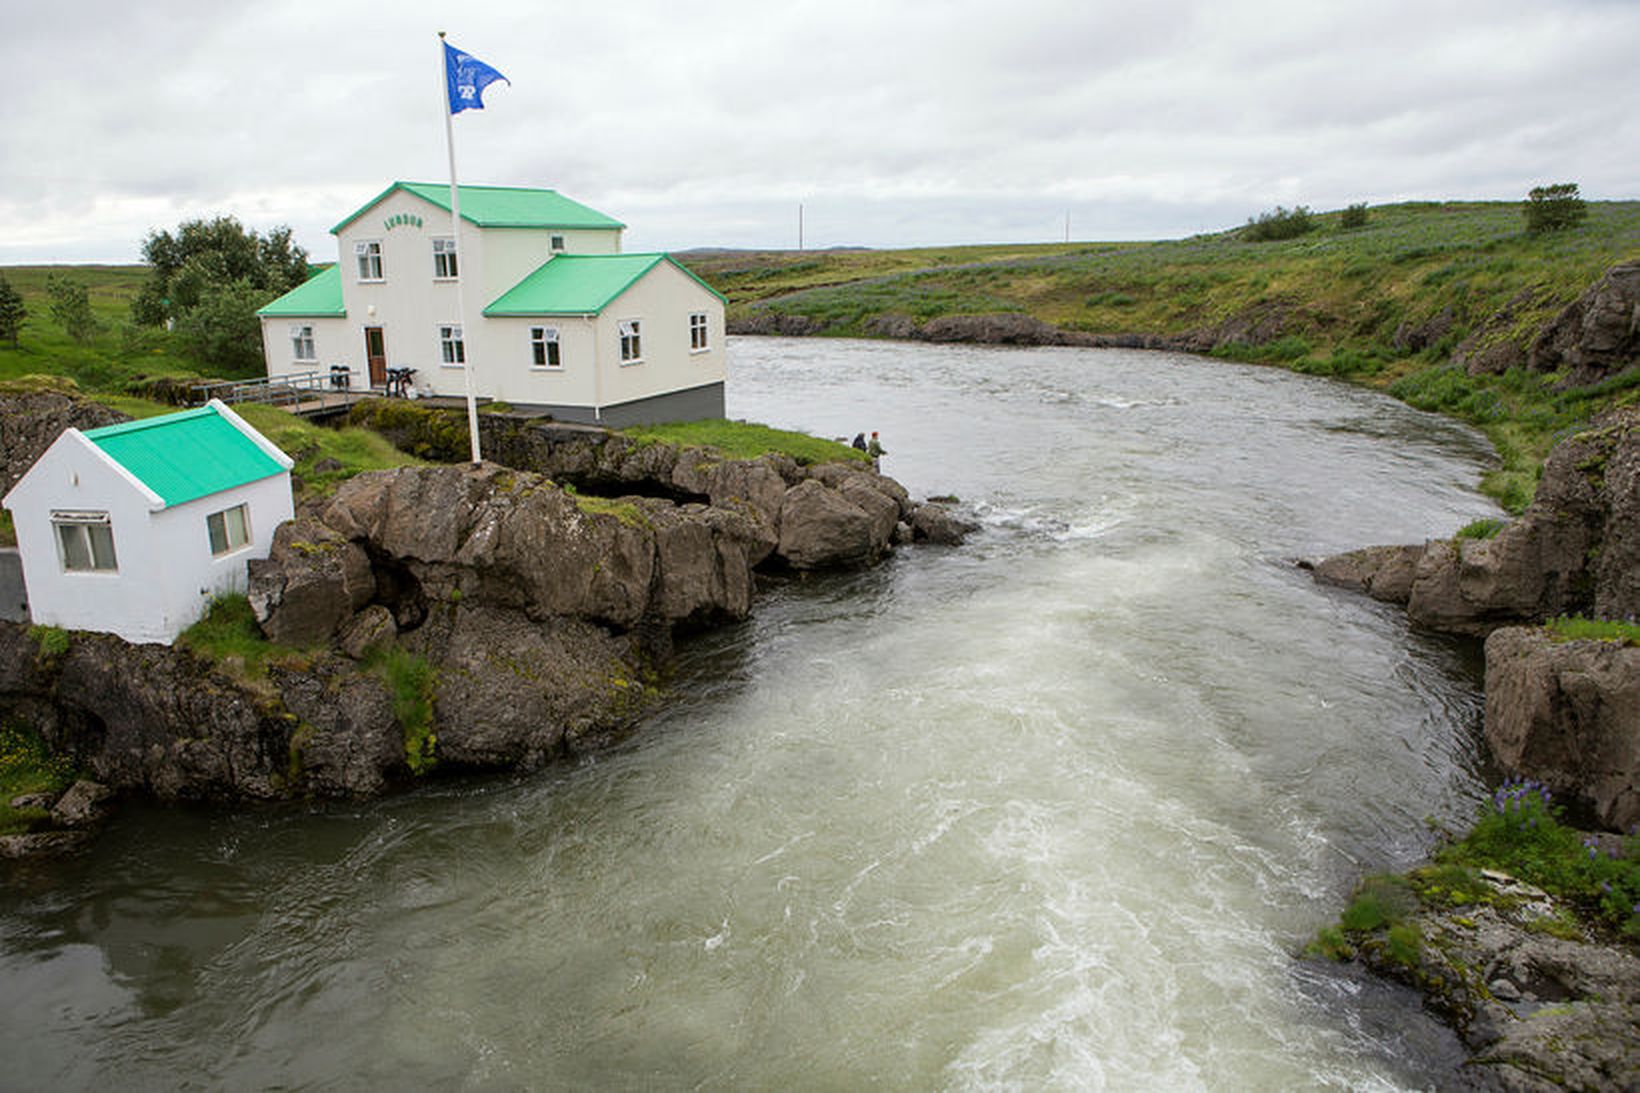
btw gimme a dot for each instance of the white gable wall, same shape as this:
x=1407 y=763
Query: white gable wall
x=662 y=300
x=166 y=573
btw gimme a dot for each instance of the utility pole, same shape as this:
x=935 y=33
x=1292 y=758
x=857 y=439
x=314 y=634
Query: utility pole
x=800 y=226
x=1067 y=225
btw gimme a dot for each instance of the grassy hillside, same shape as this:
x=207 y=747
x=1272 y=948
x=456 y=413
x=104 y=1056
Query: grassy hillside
x=1341 y=297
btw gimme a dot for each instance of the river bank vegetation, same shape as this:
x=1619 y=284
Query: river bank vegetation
x=1384 y=297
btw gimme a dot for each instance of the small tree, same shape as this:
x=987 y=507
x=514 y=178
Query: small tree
x=1554 y=208
x=222 y=331
x=71 y=307
x=12 y=311
x=1279 y=223
x=1355 y=216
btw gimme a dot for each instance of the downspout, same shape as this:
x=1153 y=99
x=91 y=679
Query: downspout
x=597 y=372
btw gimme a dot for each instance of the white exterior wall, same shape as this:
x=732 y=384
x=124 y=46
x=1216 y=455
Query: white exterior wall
x=192 y=576
x=663 y=301
x=166 y=573
x=410 y=306
x=507 y=365
x=332 y=340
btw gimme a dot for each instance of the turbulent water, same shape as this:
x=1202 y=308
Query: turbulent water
x=1058 y=809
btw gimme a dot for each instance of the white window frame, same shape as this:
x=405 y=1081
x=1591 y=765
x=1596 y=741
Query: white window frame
x=229 y=530
x=556 y=244
x=369 y=254
x=546 y=352
x=88 y=534
x=700 y=336
x=301 y=344
x=445 y=267
x=452 y=347
x=631 y=331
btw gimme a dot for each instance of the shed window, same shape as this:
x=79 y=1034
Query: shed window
x=697 y=331
x=301 y=343
x=557 y=243
x=85 y=541
x=631 y=341
x=369 y=254
x=444 y=259
x=229 y=529
x=451 y=349
x=544 y=347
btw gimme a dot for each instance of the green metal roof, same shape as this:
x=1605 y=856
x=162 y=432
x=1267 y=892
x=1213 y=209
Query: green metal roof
x=500 y=207
x=187 y=455
x=579 y=284
x=319 y=296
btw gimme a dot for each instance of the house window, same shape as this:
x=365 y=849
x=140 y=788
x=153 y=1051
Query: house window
x=557 y=243
x=631 y=341
x=229 y=529
x=544 y=347
x=86 y=542
x=369 y=254
x=444 y=259
x=301 y=343
x=451 y=349
x=697 y=331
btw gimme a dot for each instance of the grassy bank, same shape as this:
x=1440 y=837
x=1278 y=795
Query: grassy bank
x=1342 y=296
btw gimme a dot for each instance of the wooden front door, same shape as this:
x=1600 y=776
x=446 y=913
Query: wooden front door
x=375 y=352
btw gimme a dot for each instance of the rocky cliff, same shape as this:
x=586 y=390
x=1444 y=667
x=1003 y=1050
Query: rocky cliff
x=1564 y=712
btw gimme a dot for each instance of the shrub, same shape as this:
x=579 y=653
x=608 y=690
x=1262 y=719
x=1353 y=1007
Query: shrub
x=71 y=308
x=1554 y=208
x=1278 y=223
x=12 y=312
x=1355 y=216
x=1487 y=527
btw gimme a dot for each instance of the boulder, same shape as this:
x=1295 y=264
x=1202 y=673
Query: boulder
x=1567 y=713
x=820 y=528
x=311 y=582
x=346 y=740
x=936 y=524
x=371 y=628
x=83 y=804
x=1384 y=573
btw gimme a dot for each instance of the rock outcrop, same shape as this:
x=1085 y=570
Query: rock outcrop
x=1595 y=336
x=791 y=506
x=1539 y=1005
x=1568 y=712
x=1576 y=550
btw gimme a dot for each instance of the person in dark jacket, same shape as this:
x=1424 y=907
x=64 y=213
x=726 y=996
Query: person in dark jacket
x=860 y=441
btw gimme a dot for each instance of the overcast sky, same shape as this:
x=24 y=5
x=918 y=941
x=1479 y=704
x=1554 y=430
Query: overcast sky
x=892 y=122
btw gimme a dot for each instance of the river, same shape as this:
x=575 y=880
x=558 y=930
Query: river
x=1056 y=809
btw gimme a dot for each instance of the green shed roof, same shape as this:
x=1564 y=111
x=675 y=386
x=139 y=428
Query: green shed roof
x=186 y=455
x=500 y=207
x=319 y=296
x=579 y=284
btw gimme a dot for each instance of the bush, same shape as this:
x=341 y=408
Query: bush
x=1554 y=208
x=12 y=312
x=1278 y=223
x=71 y=308
x=1353 y=217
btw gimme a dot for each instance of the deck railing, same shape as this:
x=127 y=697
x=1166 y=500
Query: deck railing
x=271 y=390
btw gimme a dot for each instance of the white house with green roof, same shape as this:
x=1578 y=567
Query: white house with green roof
x=558 y=319
x=133 y=528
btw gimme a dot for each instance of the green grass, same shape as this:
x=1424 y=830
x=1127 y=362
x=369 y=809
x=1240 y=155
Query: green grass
x=1520 y=833
x=227 y=634
x=1343 y=295
x=354 y=448
x=412 y=682
x=26 y=767
x=1578 y=628
x=742 y=440
x=1487 y=527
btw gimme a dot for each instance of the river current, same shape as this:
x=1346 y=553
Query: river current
x=1056 y=809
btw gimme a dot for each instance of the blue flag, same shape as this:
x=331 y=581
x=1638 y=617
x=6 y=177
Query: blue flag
x=466 y=77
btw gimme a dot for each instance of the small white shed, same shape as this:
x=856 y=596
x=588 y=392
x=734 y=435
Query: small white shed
x=131 y=529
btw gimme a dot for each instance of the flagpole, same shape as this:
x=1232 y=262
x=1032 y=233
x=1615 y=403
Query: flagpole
x=461 y=263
